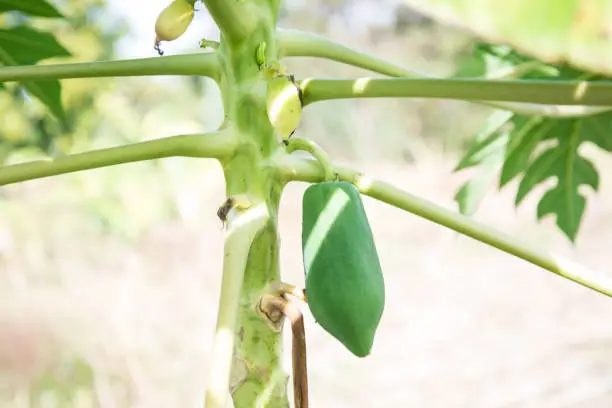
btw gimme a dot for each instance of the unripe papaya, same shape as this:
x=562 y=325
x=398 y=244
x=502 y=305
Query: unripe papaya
x=173 y=21
x=284 y=105
x=344 y=283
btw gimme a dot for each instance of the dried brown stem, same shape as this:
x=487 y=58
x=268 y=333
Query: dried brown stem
x=271 y=306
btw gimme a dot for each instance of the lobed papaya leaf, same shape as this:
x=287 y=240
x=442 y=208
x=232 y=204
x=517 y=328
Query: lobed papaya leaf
x=570 y=169
x=510 y=143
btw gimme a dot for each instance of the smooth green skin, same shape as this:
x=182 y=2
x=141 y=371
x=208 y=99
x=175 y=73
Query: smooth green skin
x=246 y=147
x=344 y=282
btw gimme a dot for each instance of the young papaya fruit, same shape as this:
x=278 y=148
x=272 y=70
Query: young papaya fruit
x=173 y=21
x=284 y=105
x=345 y=289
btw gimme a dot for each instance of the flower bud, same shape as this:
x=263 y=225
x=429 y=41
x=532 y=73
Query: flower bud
x=173 y=21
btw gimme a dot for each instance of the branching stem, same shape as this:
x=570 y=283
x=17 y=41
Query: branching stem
x=295 y=169
x=533 y=91
x=203 y=63
x=207 y=145
x=296 y=43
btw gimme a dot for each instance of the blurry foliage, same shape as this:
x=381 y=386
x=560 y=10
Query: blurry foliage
x=26 y=123
x=99 y=113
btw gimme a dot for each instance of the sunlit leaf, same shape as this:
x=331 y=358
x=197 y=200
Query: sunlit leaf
x=26 y=46
x=576 y=31
x=38 y=8
x=513 y=144
x=471 y=194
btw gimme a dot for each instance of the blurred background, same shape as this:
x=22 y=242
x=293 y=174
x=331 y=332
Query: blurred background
x=109 y=278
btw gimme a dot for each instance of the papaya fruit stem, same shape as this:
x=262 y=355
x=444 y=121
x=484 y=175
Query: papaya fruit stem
x=296 y=143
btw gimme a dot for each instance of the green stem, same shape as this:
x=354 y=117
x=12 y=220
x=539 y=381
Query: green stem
x=295 y=43
x=533 y=91
x=204 y=63
x=236 y=19
x=307 y=170
x=208 y=145
x=316 y=151
x=240 y=235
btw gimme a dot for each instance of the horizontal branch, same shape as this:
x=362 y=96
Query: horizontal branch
x=296 y=43
x=296 y=169
x=530 y=91
x=203 y=63
x=207 y=145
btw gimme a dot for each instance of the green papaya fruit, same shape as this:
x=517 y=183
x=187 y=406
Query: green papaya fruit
x=345 y=289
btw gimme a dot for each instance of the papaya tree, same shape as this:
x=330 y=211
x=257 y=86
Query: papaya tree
x=536 y=101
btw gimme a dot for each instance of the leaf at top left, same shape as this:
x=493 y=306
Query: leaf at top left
x=23 y=45
x=35 y=8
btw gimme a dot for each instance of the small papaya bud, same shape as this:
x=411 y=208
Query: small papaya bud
x=284 y=105
x=173 y=21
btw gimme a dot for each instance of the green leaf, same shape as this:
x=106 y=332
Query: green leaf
x=488 y=140
x=519 y=141
x=528 y=132
x=38 y=8
x=25 y=46
x=554 y=31
x=488 y=152
x=471 y=194
x=571 y=171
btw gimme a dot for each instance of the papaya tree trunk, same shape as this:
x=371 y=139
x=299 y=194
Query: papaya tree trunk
x=258 y=378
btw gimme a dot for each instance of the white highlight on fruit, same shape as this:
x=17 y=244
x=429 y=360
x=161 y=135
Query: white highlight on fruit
x=327 y=217
x=285 y=97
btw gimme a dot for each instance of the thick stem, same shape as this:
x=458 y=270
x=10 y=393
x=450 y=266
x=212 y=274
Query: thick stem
x=204 y=64
x=532 y=91
x=295 y=43
x=258 y=377
x=236 y=19
x=239 y=238
x=308 y=170
x=207 y=145
x=258 y=347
